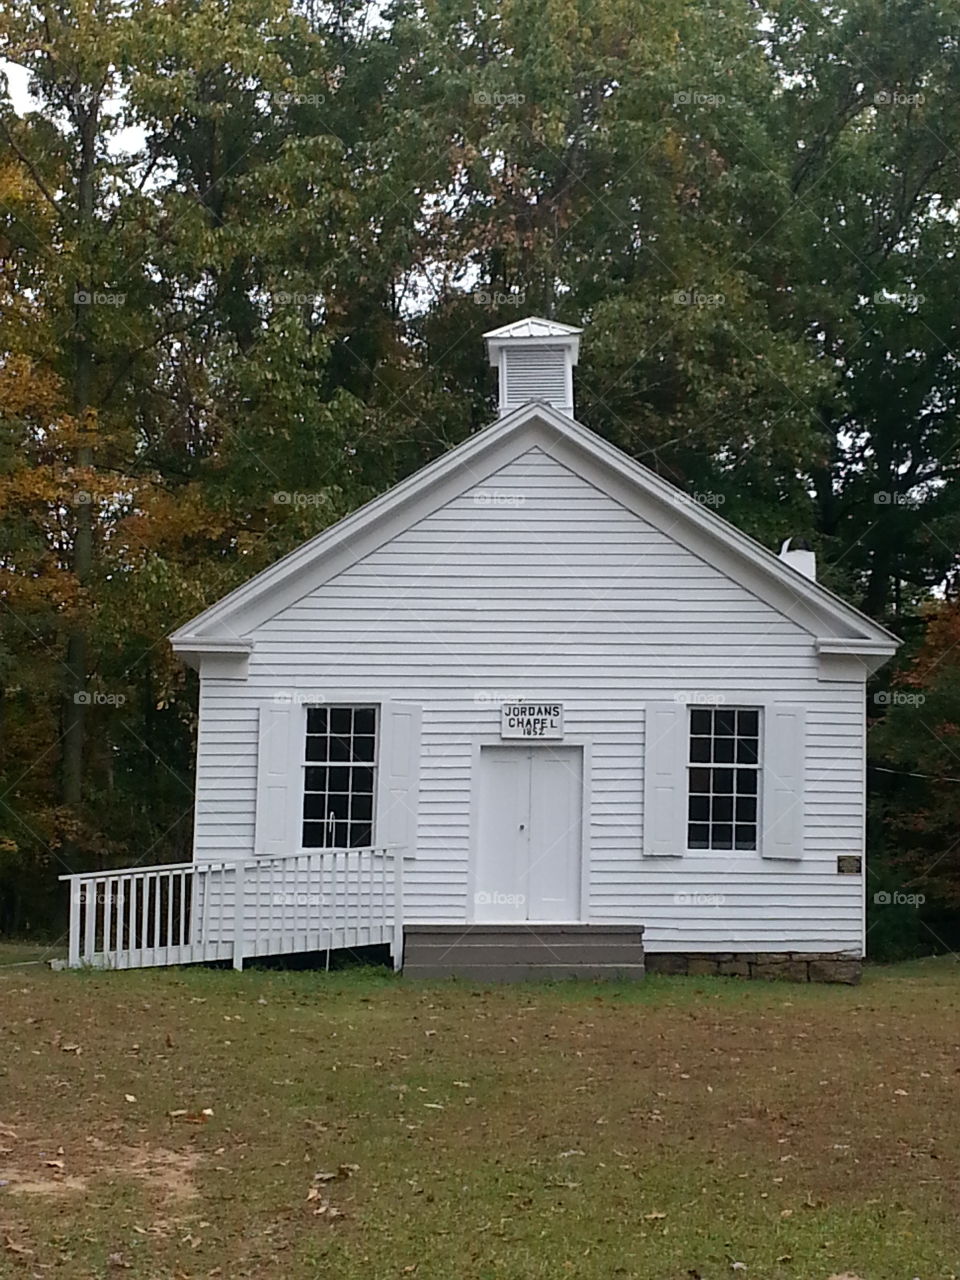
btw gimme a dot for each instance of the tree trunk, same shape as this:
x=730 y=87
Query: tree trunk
x=77 y=656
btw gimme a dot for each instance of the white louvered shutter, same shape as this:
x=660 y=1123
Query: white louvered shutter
x=782 y=766
x=279 y=779
x=398 y=791
x=665 y=779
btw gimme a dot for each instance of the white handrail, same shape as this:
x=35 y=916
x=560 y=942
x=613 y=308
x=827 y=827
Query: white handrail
x=186 y=912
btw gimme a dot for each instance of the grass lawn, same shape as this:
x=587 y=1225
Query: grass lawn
x=191 y=1123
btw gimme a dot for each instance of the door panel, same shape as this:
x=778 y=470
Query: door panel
x=500 y=888
x=529 y=839
x=553 y=880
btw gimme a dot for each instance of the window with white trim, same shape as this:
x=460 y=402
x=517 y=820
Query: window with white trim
x=723 y=775
x=340 y=777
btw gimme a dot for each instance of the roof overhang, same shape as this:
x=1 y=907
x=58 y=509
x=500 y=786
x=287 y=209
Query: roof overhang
x=216 y=656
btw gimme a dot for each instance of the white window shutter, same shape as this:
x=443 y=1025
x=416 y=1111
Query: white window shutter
x=279 y=779
x=399 y=784
x=782 y=765
x=665 y=779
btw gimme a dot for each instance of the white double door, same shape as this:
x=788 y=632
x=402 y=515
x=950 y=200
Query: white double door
x=529 y=834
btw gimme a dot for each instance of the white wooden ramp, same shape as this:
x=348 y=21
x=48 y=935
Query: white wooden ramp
x=190 y=912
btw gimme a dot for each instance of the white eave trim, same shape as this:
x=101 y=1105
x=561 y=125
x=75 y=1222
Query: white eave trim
x=228 y=659
x=857 y=648
x=184 y=643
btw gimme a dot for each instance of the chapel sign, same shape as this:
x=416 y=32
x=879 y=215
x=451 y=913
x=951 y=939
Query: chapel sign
x=531 y=720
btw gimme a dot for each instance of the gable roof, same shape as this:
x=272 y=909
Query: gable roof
x=838 y=627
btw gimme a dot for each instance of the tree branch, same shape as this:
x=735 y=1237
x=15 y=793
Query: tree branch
x=29 y=166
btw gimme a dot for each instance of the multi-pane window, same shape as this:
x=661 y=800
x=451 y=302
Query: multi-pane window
x=339 y=777
x=723 y=772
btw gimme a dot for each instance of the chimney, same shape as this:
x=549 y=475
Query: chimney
x=800 y=558
x=534 y=359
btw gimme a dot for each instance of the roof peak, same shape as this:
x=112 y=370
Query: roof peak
x=534 y=327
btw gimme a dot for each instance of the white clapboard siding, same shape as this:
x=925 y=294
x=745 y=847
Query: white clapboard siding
x=535 y=584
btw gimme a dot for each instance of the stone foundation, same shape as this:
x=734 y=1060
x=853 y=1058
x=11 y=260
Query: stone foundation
x=784 y=966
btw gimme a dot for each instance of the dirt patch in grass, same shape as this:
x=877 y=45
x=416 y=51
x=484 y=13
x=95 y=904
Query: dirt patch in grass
x=39 y=1166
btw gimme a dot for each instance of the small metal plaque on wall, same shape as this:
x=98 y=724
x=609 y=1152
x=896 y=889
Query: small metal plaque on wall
x=849 y=864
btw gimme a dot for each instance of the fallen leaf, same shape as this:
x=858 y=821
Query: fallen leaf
x=12 y=1247
x=655 y=1216
x=70 y=1048
x=130 y=1097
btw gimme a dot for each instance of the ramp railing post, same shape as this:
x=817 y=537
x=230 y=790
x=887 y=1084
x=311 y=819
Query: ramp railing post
x=78 y=890
x=238 y=918
x=398 y=909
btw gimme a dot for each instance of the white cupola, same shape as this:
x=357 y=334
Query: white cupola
x=535 y=360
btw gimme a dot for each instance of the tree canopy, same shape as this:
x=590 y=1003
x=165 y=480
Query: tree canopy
x=243 y=281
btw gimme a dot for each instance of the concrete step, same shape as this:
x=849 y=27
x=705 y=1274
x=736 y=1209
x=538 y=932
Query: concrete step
x=516 y=951
x=490 y=952
x=531 y=927
x=525 y=972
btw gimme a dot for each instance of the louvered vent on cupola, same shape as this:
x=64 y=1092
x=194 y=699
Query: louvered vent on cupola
x=535 y=360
